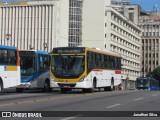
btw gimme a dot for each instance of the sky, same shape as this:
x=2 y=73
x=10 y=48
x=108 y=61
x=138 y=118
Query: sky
x=147 y=4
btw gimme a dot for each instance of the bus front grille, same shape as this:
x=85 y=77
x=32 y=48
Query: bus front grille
x=66 y=85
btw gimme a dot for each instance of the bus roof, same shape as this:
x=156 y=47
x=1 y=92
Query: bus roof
x=8 y=47
x=103 y=52
x=146 y=78
x=37 y=51
x=89 y=49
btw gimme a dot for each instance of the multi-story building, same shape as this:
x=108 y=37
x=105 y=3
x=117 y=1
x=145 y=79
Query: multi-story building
x=149 y=22
x=75 y=23
x=41 y=24
x=34 y=24
x=132 y=12
x=111 y=31
x=119 y=4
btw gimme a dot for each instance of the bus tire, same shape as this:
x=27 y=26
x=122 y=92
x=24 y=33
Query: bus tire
x=46 y=86
x=1 y=86
x=91 y=90
x=84 y=90
x=19 y=90
x=63 y=90
x=111 y=88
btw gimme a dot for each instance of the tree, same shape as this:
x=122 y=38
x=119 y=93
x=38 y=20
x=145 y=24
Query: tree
x=155 y=74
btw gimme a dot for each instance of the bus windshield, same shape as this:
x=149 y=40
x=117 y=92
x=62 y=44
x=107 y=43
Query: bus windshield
x=27 y=66
x=143 y=83
x=67 y=66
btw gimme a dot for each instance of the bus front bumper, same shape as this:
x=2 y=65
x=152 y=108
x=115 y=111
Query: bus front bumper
x=77 y=85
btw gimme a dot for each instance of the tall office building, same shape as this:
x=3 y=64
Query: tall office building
x=132 y=12
x=75 y=23
x=119 y=5
x=149 y=22
x=27 y=25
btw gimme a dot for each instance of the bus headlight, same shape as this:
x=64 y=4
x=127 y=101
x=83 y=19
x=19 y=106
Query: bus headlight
x=52 y=79
x=81 y=80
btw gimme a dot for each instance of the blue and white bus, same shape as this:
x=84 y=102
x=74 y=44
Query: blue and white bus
x=147 y=83
x=9 y=67
x=34 y=70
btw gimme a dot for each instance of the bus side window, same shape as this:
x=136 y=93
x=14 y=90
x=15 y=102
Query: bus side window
x=109 y=62
x=116 y=63
x=94 y=60
x=106 y=61
x=90 y=61
x=41 y=63
x=3 y=57
x=12 y=57
x=46 y=61
x=103 y=63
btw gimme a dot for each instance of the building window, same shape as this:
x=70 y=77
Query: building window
x=105 y=24
x=131 y=16
x=105 y=13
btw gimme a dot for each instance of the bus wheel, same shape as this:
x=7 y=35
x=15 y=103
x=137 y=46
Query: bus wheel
x=19 y=90
x=111 y=88
x=63 y=90
x=91 y=90
x=1 y=87
x=46 y=87
x=85 y=90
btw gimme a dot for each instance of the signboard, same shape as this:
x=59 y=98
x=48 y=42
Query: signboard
x=27 y=53
x=69 y=50
x=13 y=4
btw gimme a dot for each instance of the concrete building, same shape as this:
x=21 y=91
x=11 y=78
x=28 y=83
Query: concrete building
x=119 y=4
x=149 y=22
x=132 y=12
x=34 y=24
x=109 y=30
x=75 y=23
x=41 y=24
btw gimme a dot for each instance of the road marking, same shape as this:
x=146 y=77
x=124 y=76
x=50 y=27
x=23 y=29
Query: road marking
x=154 y=95
x=68 y=118
x=137 y=99
x=113 y=106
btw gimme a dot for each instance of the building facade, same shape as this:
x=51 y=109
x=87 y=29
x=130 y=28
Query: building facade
x=75 y=23
x=149 y=22
x=34 y=24
x=111 y=31
x=132 y=12
x=119 y=5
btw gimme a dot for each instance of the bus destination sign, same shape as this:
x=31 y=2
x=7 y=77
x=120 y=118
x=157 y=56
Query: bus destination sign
x=27 y=53
x=68 y=50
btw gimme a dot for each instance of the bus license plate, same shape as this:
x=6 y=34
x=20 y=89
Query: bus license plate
x=66 y=86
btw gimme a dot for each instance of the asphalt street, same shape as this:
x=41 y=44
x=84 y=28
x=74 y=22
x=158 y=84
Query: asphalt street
x=97 y=105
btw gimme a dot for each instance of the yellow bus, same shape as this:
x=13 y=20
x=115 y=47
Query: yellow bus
x=84 y=68
x=9 y=67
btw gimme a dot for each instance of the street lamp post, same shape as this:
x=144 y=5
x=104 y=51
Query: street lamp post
x=8 y=37
x=127 y=81
x=45 y=45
